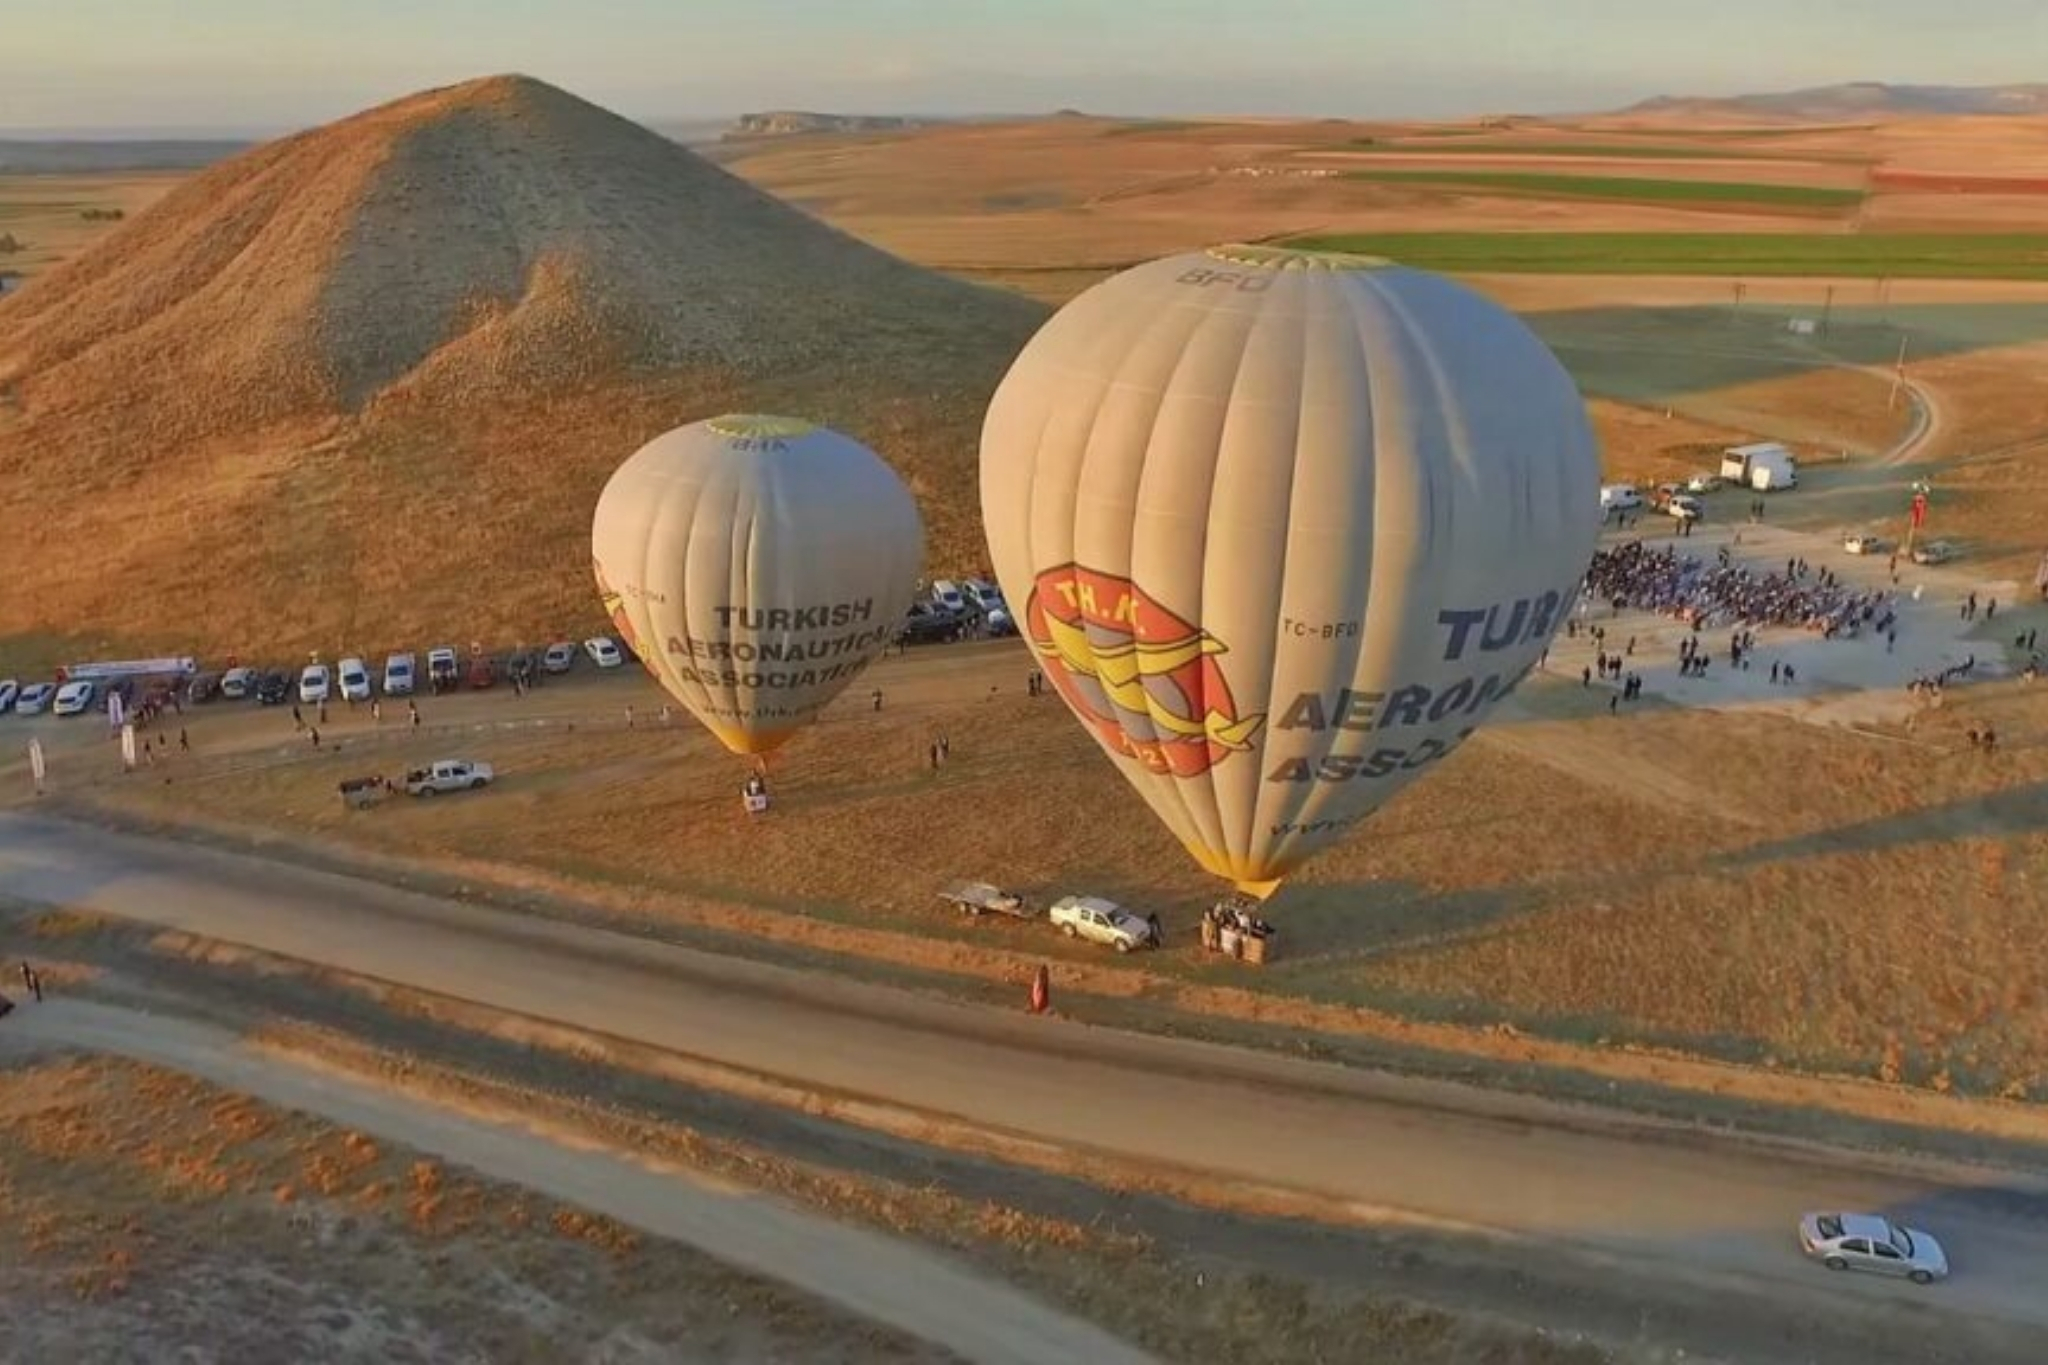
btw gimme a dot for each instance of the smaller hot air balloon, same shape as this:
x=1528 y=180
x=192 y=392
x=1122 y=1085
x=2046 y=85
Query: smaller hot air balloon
x=757 y=565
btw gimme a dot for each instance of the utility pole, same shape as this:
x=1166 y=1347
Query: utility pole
x=1739 y=290
x=1827 y=309
x=1898 y=374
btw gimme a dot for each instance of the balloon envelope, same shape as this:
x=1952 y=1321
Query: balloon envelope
x=1287 y=526
x=756 y=565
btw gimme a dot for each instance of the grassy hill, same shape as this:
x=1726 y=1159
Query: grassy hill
x=378 y=372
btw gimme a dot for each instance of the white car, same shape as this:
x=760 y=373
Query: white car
x=34 y=699
x=946 y=593
x=603 y=651
x=1703 y=483
x=1864 y=1241
x=1864 y=544
x=399 y=678
x=313 y=683
x=9 y=690
x=1099 y=921
x=238 y=683
x=355 y=680
x=559 y=657
x=1684 y=506
x=75 y=698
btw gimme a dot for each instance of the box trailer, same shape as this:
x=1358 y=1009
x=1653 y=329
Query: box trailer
x=1764 y=466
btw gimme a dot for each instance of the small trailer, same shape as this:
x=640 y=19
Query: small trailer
x=360 y=793
x=979 y=898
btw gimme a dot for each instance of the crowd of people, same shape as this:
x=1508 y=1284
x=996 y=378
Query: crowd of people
x=1722 y=592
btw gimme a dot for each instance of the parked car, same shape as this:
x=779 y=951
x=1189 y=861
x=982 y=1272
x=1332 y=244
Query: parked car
x=354 y=679
x=1703 y=483
x=928 y=622
x=1934 y=552
x=946 y=593
x=985 y=600
x=314 y=683
x=1684 y=506
x=9 y=690
x=398 y=675
x=1099 y=921
x=559 y=657
x=238 y=683
x=34 y=699
x=204 y=687
x=443 y=671
x=274 y=689
x=75 y=698
x=1859 y=544
x=1864 y=1241
x=482 y=672
x=448 y=775
x=603 y=651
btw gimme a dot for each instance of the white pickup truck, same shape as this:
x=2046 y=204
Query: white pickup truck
x=1099 y=921
x=448 y=775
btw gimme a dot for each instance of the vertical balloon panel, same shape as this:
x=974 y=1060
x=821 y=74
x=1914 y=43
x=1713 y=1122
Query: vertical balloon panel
x=1289 y=526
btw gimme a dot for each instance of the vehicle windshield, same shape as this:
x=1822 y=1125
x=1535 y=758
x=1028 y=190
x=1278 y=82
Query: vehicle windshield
x=1901 y=1239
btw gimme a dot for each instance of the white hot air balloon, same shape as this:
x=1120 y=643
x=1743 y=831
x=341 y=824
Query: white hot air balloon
x=757 y=565
x=1288 y=525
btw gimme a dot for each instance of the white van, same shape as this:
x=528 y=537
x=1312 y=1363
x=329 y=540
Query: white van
x=398 y=675
x=238 y=683
x=354 y=678
x=1620 y=497
x=946 y=593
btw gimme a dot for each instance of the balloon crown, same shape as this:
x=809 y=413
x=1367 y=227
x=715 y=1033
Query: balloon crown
x=1288 y=258
x=759 y=425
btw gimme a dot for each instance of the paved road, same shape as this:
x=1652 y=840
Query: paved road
x=1721 y=1211
x=878 y=1277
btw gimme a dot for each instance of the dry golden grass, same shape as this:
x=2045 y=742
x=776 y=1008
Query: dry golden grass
x=1693 y=878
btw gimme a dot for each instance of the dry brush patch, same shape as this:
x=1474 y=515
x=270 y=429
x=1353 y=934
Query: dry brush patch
x=149 y=1212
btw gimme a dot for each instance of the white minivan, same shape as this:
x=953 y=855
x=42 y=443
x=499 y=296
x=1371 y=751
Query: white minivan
x=354 y=679
x=946 y=593
x=1620 y=497
x=313 y=683
x=398 y=675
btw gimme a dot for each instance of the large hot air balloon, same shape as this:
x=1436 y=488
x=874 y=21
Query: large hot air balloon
x=1287 y=526
x=756 y=565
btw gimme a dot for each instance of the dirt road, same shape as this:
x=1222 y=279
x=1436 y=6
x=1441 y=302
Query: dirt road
x=877 y=1277
x=1714 y=1211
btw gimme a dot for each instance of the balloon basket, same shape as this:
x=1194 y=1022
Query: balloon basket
x=756 y=802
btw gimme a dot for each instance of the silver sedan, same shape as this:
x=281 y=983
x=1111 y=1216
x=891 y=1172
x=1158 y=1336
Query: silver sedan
x=1863 y=1241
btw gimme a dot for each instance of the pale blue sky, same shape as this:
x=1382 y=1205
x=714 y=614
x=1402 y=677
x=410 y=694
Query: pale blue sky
x=267 y=64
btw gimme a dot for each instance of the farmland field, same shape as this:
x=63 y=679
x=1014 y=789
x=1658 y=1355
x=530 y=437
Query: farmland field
x=1625 y=187
x=2012 y=256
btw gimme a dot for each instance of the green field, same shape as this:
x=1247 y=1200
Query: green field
x=1625 y=187
x=1988 y=256
x=1646 y=151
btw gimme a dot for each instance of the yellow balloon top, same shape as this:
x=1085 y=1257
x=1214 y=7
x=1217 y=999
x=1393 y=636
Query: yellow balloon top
x=1287 y=258
x=759 y=426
